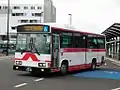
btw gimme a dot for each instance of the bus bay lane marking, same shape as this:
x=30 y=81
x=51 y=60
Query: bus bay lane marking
x=20 y=85
x=110 y=72
x=116 y=89
x=40 y=79
x=23 y=84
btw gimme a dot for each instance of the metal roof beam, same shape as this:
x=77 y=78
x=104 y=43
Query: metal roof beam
x=111 y=33
x=115 y=28
x=117 y=25
x=114 y=31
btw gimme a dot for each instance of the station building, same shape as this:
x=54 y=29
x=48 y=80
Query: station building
x=113 y=41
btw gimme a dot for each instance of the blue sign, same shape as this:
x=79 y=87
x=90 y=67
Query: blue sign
x=108 y=74
x=46 y=28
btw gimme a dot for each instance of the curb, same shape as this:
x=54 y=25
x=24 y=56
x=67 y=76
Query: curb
x=113 y=61
x=3 y=57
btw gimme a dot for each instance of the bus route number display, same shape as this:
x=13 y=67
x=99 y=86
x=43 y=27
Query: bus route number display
x=36 y=28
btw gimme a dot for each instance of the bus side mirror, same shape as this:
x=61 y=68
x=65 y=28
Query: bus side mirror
x=48 y=39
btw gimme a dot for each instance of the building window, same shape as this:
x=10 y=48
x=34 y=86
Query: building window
x=18 y=14
x=33 y=21
x=5 y=7
x=39 y=7
x=13 y=28
x=13 y=14
x=32 y=7
x=16 y=7
x=36 y=14
x=24 y=21
x=25 y=7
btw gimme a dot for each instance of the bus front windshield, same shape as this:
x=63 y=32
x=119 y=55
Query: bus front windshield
x=38 y=43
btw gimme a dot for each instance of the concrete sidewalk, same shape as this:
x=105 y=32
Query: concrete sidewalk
x=113 y=61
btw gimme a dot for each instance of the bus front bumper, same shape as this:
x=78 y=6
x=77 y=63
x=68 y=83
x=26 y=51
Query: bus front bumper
x=30 y=69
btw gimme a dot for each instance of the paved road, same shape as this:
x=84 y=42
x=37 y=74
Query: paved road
x=14 y=80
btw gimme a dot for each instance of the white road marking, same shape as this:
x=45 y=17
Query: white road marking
x=105 y=64
x=20 y=85
x=111 y=72
x=40 y=79
x=116 y=89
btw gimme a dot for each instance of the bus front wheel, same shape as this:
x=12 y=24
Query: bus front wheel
x=64 y=68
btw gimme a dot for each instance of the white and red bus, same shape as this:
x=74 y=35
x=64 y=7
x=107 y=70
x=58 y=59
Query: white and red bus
x=50 y=48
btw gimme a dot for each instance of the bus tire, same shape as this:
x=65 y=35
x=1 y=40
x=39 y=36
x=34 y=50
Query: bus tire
x=93 y=65
x=64 y=68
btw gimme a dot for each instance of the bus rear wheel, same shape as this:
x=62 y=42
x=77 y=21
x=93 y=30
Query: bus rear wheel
x=93 y=65
x=64 y=68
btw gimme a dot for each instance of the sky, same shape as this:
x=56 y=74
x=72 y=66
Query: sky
x=87 y=15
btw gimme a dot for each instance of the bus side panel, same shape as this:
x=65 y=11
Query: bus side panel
x=90 y=54
x=75 y=57
x=100 y=55
x=101 y=49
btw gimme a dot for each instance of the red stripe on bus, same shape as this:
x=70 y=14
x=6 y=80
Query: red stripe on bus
x=27 y=56
x=79 y=67
x=75 y=67
x=98 y=50
x=47 y=61
x=74 y=50
x=82 y=50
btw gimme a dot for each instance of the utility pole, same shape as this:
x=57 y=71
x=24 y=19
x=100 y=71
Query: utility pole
x=70 y=15
x=8 y=12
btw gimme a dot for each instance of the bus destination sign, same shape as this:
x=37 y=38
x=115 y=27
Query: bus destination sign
x=33 y=28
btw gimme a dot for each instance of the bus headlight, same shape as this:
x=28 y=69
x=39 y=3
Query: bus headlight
x=18 y=62
x=42 y=64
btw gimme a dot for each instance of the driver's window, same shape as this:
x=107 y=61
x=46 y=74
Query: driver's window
x=56 y=41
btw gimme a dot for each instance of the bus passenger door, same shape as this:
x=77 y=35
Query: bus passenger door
x=91 y=49
x=55 y=50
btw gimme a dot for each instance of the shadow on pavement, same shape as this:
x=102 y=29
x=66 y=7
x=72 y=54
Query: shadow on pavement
x=58 y=75
x=52 y=75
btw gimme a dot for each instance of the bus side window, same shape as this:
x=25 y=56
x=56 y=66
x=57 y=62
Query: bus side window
x=66 y=40
x=92 y=43
x=79 y=40
x=101 y=43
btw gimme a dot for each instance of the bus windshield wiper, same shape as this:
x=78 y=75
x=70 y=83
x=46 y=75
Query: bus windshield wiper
x=37 y=51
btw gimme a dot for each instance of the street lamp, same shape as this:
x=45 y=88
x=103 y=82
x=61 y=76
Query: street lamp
x=70 y=18
x=8 y=12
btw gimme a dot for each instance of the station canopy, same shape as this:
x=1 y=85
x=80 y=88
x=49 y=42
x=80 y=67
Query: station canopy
x=112 y=31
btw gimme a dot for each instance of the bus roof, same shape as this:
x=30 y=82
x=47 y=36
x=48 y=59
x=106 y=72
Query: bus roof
x=62 y=27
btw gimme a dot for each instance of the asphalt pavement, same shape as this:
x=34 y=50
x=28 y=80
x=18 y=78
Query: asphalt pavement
x=104 y=78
